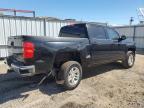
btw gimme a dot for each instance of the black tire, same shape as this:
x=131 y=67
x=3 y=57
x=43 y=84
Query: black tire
x=66 y=70
x=126 y=63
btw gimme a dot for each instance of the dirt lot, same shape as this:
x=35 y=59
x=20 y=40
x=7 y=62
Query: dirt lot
x=107 y=86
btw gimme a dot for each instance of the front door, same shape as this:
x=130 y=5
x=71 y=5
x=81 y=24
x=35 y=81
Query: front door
x=116 y=46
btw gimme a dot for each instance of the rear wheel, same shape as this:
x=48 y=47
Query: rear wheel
x=129 y=60
x=72 y=74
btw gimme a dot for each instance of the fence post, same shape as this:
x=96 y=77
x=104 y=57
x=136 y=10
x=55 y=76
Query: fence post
x=134 y=33
x=44 y=27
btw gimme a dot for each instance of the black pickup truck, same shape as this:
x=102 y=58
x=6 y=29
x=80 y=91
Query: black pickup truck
x=77 y=47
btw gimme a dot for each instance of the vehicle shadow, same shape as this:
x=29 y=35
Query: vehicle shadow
x=90 y=72
x=141 y=52
x=14 y=87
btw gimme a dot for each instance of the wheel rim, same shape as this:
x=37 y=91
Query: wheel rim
x=130 y=59
x=73 y=76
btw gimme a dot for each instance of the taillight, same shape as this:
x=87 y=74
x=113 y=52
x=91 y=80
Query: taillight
x=28 y=50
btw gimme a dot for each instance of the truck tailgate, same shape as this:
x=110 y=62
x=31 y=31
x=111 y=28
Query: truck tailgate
x=15 y=47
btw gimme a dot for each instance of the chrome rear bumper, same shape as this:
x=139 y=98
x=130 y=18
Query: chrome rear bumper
x=24 y=70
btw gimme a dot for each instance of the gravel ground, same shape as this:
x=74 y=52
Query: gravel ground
x=106 y=86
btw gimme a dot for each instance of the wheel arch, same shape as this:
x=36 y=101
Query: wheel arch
x=133 y=49
x=62 y=57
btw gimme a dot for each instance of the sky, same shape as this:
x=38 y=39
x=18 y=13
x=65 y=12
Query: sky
x=110 y=11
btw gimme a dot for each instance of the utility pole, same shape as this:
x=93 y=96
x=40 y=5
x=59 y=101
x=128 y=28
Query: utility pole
x=131 y=21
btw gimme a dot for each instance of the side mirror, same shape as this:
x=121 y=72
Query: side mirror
x=123 y=37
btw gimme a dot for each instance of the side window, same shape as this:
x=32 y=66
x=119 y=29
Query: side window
x=97 y=32
x=112 y=34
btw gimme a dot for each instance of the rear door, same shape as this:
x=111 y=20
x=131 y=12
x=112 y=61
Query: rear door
x=100 y=44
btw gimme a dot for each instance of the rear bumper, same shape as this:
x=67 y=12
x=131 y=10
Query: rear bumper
x=29 y=68
x=24 y=70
